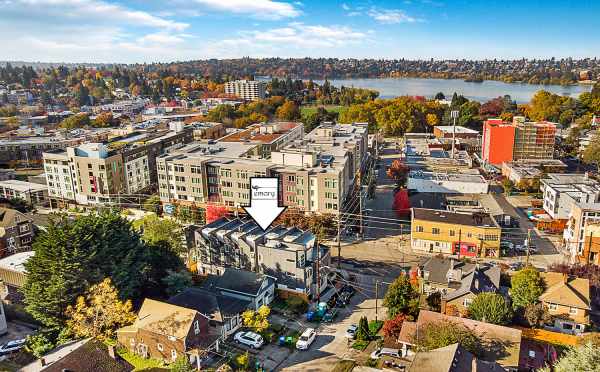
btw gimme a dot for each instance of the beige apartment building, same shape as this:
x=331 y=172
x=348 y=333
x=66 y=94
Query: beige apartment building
x=250 y=90
x=316 y=174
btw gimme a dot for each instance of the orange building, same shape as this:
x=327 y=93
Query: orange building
x=498 y=140
x=503 y=142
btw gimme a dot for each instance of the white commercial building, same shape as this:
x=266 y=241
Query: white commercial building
x=562 y=191
x=249 y=90
x=32 y=193
x=448 y=183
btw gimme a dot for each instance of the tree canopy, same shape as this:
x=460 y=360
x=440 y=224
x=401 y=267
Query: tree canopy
x=73 y=255
x=526 y=287
x=584 y=358
x=440 y=334
x=491 y=308
x=401 y=297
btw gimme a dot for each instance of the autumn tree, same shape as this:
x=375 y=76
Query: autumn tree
x=288 y=111
x=257 y=320
x=591 y=154
x=401 y=297
x=75 y=121
x=393 y=326
x=215 y=211
x=536 y=315
x=398 y=171
x=100 y=312
x=156 y=230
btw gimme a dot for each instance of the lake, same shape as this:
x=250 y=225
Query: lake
x=484 y=91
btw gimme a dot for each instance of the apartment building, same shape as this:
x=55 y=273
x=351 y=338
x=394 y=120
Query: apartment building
x=562 y=191
x=576 y=232
x=250 y=90
x=463 y=234
x=290 y=255
x=590 y=253
x=27 y=151
x=268 y=137
x=316 y=174
x=521 y=139
x=104 y=172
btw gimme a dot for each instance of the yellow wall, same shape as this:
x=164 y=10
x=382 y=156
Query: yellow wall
x=468 y=234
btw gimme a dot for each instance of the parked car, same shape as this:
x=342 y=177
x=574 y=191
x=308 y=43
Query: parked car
x=516 y=266
x=378 y=353
x=351 y=331
x=306 y=338
x=251 y=339
x=507 y=245
x=12 y=346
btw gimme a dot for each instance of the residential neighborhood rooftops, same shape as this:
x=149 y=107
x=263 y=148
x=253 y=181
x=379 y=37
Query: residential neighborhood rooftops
x=468 y=219
x=566 y=290
x=241 y=281
x=452 y=358
x=163 y=318
x=212 y=305
x=499 y=344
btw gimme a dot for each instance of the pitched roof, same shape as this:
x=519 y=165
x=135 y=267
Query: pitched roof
x=503 y=343
x=452 y=358
x=476 y=282
x=241 y=281
x=210 y=304
x=565 y=290
x=164 y=318
x=84 y=355
x=438 y=268
x=10 y=217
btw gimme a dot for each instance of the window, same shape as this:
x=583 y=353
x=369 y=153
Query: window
x=467 y=302
x=419 y=229
x=159 y=347
x=196 y=327
x=451 y=232
x=573 y=310
x=173 y=354
x=553 y=306
x=435 y=231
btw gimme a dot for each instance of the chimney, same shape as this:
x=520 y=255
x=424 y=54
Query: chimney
x=111 y=351
x=565 y=278
x=42 y=362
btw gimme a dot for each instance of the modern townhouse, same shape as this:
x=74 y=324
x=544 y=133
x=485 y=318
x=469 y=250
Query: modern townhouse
x=292 y=256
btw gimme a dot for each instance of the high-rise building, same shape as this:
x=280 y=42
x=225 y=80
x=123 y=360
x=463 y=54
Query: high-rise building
x=250 y=90
x=521 y=139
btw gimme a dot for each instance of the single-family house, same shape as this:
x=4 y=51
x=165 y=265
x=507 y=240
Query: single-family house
x=223 y=312
x=257 y=288
x=568 y=302
x=166 y=331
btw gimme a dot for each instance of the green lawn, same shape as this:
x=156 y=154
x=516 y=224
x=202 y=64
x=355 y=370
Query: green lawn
x=309 y=109
x=375 y=326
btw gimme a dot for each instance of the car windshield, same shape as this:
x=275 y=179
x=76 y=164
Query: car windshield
x=303 y=338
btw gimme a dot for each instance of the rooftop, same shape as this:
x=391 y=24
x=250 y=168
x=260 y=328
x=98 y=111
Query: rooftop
x=22 y=186
x=465 y=219
x=458 y=128
x=261 y=133
x=447 y=177
x=16 y=262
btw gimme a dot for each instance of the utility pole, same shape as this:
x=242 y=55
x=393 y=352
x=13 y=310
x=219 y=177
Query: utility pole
x=453 y=115
x=459 y=242
x=376 y=297
x=339 y=243
x=527 y=246
x=360 y=208
x=589 y=253
x=318 y=268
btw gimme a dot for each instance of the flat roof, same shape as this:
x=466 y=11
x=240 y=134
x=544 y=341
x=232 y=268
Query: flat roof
x=16 y=262
x=466 y=219
x=22 y=186
x=459 y=129
x=448 y=177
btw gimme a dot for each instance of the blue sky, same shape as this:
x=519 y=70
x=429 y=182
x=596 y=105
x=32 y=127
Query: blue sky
x=171 y=30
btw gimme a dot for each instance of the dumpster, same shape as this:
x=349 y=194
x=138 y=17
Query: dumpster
x=281 y=340
x=310 y=316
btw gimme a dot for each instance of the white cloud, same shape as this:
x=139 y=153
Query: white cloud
x=91 y=11
x=345 y=6
x=298 y=36
x=261 y=9
x=390 y=16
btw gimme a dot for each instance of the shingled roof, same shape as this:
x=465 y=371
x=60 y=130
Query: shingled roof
x=564 y=290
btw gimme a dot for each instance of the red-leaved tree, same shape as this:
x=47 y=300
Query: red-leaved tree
x=398 y=171
x=401 y=203
x=392 y=327
x=214 y=212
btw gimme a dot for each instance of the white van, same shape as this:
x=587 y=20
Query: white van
x=306 y=338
